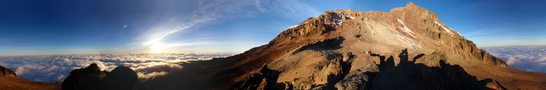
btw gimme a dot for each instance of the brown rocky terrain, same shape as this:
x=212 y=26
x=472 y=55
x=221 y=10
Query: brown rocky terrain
x=406 y=48
x=10 y=81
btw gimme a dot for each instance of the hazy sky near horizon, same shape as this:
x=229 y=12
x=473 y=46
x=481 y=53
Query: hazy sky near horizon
x=41 y=27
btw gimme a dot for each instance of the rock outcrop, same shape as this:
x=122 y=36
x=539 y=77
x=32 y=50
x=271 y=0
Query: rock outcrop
x=121 y=78
x=4 y=72
x=347 y=49
x=84 y=79
x=92 y=78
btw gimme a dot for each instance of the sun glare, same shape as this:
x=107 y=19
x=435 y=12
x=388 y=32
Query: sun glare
x=157 y=48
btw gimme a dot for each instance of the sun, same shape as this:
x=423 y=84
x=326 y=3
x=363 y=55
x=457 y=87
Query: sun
x=157 y=48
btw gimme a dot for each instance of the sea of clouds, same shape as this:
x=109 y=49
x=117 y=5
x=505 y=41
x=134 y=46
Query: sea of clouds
x=526 y=58
x=56 y=68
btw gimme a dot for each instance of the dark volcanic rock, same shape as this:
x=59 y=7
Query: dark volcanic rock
x=121 y=78
x=6 y=72
x=91 y=78
x=84 y=79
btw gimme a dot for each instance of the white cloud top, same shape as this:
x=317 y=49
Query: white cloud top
x=526 y=58
x=56 y=68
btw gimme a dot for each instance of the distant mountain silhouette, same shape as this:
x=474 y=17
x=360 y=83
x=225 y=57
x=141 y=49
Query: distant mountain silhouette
x=91 y=78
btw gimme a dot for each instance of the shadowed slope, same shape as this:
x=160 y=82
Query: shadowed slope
x=415 y=76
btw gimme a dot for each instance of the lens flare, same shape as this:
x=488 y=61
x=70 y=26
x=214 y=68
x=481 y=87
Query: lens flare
x=157 y=48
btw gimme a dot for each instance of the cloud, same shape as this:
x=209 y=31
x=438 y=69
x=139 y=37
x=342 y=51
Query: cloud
x=203 y=12
x=152 y=75
x=527 y=58
x=56 y=68
x=22 y=69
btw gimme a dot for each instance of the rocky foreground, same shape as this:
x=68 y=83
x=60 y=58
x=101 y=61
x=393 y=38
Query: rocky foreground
x=406 y=48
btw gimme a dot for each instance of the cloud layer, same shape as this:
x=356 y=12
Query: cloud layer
x=526 y=58
x=56 y=68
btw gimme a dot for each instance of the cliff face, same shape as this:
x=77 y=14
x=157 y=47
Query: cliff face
x=406 y=48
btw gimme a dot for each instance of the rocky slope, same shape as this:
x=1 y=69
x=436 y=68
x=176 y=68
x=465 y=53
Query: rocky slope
x=406 y=48
x=10 y=81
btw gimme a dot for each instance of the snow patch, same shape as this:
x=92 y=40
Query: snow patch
x=405 y=28
x=454 y=30
x=351 y=17
x=446 y=29
x=292 y=27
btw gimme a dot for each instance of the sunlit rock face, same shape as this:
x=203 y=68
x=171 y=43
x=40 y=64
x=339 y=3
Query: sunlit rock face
x=405 y=48
x=526 y=58
x=57 y=68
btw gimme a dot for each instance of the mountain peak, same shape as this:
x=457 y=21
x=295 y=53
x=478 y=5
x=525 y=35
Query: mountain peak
x=414 y=11
x=342 y=34
x=411 y=27
x=411 y=4
x=349 y=49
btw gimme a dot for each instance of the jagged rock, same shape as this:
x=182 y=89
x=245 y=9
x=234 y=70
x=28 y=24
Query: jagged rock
x=121 y=78
x=494 y=85
x=87 y=78
x=359 y=79
x=6 y=72
x=91 y=78
x=265 y=79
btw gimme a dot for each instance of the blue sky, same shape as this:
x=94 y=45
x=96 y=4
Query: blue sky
x=38 y=27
